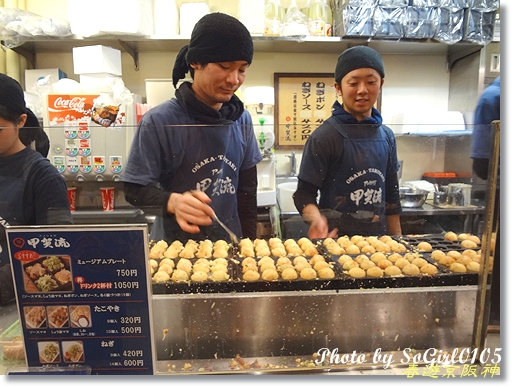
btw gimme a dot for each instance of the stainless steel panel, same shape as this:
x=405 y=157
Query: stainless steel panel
x=277 y=324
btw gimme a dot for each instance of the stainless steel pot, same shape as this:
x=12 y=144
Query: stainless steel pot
x=411 y=197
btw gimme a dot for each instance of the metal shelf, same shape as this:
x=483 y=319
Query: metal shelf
x=134 y=45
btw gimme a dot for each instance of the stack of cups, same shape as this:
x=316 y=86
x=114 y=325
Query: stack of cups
x=107 y=198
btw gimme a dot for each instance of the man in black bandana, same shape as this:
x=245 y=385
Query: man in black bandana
x=351 y=158
x=197 y=153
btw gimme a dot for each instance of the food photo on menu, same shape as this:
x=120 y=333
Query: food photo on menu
x=58 y=316
x=35 y=317
x=49 y=352
x=48 y=274
x=73 y=351
x=80 y=316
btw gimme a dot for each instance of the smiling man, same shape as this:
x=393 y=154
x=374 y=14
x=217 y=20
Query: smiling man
x=197 y=153
x=351 y=158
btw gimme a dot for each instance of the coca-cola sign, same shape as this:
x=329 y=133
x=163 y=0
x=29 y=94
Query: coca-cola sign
x=69 y=108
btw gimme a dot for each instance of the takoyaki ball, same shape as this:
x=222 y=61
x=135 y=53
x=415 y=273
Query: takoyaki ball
x=382 y=247
x=420 y=262
x=336 y=250
x=394 y=257
x=247 y=251
x=262 y=251
x=473 y=267
x=372 y=240
x=401 y=263
x=360 y=258
x=437 y=254
x=264 y=260
x=199 y=276
x=350 y=265
x=446 y=260
x=383 y=263
x=219 y=276
x=450 y=236
x=424 y=246
x=368 y=249
x=374 y=272
x=289 y=274
x=411 y=256
x=251 y=275
x=474 y=238
x=428 y=269
x=279 y=252
x=454 y=254
x=353 y=250
x=185 y=265
x=187 y=253
x=166 y=261
x=283 y=261
x=458 y=268
x=362 y=244
x=299 y=259
x=310 y=251
x=316 y=258
x=267 y=265
x=249 y=267
x=179 y=275
x=344 y=241
x=376 y=257
x=411 y=269
x=344 y=258
x=205 y=252
x=385 y=238
x=463 y=236
x=248 y=261
x=269 y=275
x=166 y=268
x=220 y=261
x=219 y=267
x=468 y=244
x=357 y=272
x=365 y=265
x=302 y=265
x=203 y=261
x=153 y=263
x=393 y=271
x=470 y=253
x=356 y=238
x=326 y=273
x=201 y=267
x=220 y=253
x=161 y=276
x=172 y=252
x=398 y=247
x=294 y=250
x=308 y=273
x=465 y=259
x=320 y=265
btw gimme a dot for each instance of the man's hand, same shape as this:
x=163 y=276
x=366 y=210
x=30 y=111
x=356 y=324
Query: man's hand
x=191 y=210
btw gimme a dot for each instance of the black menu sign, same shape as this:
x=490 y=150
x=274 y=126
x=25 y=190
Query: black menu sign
x=83 y=294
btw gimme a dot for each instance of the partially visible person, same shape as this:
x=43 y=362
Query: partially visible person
x=488 y=110
x=33 y=135
x=351 y=158
x=197 y=153
x=32 y=192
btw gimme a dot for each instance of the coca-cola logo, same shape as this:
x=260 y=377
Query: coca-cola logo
x=75 y=103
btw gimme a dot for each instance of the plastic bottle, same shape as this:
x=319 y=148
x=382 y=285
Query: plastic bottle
x=317 y=18
x=328 y=21
x=274 y=14
x=305 y=9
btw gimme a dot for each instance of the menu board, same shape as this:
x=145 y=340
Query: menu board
x=83 y=295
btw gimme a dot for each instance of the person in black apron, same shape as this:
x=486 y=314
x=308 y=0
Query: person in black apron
x=351 y=158
x=196 y=153
x=32 y=192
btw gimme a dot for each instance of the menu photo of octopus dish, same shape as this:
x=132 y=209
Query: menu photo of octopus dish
x=80 y=316
x=48 y=274
x=35 y=317
x=73 y=351
x=58 y=316
x=49 y=352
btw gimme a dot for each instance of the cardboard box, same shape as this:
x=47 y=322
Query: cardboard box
x=97 y=59
x=32 y=76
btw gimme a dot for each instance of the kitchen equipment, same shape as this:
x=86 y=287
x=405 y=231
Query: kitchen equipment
x=459 y=194
x=232 y=235
x=412 y=197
